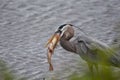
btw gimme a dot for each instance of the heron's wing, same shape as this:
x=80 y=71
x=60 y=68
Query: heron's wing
x=87 y=49
x=93 y=48
x=96 y=50
x=91 y=44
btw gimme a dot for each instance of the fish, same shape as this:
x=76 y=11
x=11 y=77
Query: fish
x=51 y=45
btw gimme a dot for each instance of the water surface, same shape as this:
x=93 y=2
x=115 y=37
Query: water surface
x=26 y=25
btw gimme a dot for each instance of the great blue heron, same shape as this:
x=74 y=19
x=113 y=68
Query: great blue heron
x=91 y=50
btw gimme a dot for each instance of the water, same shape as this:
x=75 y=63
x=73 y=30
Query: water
x=26 y=25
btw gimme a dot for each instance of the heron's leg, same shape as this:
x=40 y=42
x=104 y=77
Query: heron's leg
x=97 y=70
x=96 y=66
x=90 y=65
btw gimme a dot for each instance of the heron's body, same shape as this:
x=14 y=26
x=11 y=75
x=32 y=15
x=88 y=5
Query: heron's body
x=91 y=50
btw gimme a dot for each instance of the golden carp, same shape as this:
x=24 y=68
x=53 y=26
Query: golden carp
x=51 y=44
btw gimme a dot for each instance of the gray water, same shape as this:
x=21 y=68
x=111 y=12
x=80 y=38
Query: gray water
x=26 y=25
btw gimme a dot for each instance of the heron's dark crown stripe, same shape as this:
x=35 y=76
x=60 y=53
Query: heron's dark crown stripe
x=64 y=25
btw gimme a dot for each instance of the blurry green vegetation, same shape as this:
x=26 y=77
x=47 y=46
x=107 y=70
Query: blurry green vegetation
x=5 y=73
x=105 y=70
x=105 y=73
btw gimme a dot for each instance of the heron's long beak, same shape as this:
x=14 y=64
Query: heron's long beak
x=54 y=38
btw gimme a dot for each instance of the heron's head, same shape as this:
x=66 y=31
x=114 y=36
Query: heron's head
x=65 y=31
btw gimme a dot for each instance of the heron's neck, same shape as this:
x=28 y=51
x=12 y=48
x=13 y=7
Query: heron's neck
x=66 y=44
